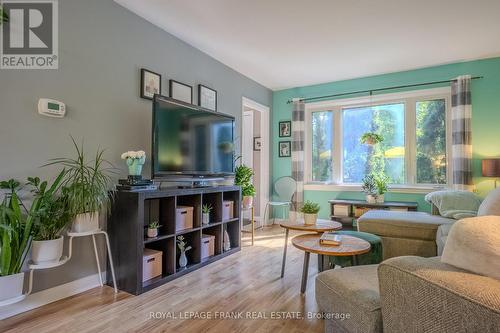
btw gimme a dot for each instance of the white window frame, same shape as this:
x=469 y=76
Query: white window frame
x=409 y=98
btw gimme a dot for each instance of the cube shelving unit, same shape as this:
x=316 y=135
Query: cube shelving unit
x=133 y=211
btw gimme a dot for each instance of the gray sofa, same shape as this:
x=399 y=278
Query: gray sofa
x=411 y=294
x=417 y=233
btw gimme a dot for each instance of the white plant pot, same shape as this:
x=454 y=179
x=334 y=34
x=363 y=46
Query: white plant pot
x=86 y=222
x=205 y=218
x=380 y=198
x=310 y=219
x=47 y=251
x=152 y=233
x=11 y=286
x=371 y=199
x=247 y=201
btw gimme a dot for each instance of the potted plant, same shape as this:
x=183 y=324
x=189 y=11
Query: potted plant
x=381 y=185
x=181 y=244
x=87 y=184
x=16 y=231
x=370 y=188
x=50 y=219
x=153 y=229
x=243 y=177
x=135 y=160
x=370 y=138
x=206 y=209
x=310 y=210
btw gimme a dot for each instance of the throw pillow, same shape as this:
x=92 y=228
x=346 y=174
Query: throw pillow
x=473 y=244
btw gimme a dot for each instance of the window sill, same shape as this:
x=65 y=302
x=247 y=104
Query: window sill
x=357 y=188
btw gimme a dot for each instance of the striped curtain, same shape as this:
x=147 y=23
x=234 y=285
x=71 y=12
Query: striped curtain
x=298 y=137
x=461 y=109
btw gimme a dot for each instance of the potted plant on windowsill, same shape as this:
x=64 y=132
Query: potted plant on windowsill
x=243 y=177
x=370 y=188
x=206 y=209
x=310 y=210
x=381 y=184
x=50 y=219
x=87 y=185
x=153 y=229
x=370 y=138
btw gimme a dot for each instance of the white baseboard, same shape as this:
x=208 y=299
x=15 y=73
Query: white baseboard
x=51 y=295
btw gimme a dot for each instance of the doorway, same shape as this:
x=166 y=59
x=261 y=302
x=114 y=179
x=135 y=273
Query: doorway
x=255 y=150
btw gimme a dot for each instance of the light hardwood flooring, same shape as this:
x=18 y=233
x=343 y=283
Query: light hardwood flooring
x=248 y=281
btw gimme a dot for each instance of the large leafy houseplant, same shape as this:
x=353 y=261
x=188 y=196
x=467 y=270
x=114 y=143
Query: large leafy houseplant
x=87 y=184
x=4 y=17
x=17 y=226
x=243 y=177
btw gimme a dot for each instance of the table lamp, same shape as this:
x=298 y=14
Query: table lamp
x=491 y=168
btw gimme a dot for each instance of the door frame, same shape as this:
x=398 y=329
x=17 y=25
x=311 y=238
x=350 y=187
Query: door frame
x=265 y=166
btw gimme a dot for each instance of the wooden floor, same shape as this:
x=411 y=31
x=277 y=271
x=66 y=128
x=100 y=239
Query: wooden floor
x=251 y=284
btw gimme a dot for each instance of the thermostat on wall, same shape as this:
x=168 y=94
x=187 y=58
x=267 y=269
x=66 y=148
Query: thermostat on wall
x=51 y=108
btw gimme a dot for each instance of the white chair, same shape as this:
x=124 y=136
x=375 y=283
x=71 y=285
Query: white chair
x=284 y=189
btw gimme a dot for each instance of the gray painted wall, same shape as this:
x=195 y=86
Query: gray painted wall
x=102 y=47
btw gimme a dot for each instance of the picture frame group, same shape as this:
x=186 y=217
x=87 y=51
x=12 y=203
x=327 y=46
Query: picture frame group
x=151 y=85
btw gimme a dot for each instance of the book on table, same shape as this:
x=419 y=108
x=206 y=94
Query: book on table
x=330 y=238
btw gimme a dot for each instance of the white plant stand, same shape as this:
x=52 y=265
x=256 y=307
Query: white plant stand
x=93 y=233
x=64 y=259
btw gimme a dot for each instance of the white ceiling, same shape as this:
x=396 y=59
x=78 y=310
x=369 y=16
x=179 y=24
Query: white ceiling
x=289 y=43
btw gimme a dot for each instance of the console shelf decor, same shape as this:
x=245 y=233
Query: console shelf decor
x=132 y=212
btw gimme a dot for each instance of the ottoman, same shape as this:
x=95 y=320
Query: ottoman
x=372 y=257
x=349 y=299
x=404 y=233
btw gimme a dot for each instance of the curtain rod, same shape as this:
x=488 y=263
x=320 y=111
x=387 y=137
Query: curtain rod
x=378 y=89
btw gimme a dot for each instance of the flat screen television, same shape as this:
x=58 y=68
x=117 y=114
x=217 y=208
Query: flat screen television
x=190 y=141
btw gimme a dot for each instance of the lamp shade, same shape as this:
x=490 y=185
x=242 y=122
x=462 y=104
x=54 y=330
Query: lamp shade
x=491 y=167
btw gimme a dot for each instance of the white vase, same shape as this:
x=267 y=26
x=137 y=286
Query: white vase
x=247 y=201
x=205 y=218
x=11 y=286
x=380 y=198
x=226 y=242
x=86 y=222
x=152 y=232
x=371 y=199
x=47 y=251
x=183 y=259
x=310 y=219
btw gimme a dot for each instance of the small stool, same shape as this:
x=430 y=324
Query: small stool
x=373 y=257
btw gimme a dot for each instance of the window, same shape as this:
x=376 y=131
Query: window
x=431 y=141
x=414 y=149
x=386 y=157
x=322 y=146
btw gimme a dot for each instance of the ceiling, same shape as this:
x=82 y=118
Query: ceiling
x=289 y=43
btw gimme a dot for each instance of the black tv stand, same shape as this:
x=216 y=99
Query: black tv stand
x=133 y=211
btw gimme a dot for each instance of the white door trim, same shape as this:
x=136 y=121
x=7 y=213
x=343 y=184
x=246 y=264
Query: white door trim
x=265 y=150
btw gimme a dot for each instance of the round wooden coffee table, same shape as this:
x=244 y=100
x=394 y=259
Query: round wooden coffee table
x=350 y=246
x=320 y=227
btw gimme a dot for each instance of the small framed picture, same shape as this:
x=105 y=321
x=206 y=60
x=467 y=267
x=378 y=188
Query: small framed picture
x=257 y=144
x=285 y=149
x=285 y=129
x=180 y=91
x=207 y=97
x=150 y=83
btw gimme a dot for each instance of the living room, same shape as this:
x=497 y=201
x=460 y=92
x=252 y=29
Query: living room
x=172 y=165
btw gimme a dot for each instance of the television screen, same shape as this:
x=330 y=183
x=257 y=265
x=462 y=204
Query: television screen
x=188 y=140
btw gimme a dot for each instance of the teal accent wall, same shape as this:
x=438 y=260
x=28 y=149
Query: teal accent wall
x=485 y=118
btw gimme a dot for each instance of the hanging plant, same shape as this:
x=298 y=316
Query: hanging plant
x=370 y=138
